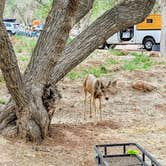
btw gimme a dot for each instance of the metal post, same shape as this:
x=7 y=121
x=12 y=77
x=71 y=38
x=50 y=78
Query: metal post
x=105 y=151
x=143 y=156
x=124 y=149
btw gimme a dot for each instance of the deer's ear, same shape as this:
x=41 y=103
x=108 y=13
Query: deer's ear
x=97 y=84
x=114 y=83
x=109 y=83
x=102 y=85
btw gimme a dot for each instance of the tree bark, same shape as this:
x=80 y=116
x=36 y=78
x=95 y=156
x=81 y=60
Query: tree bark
x=41 y=94
x=119 y=17
x=10 y=69
x=2 y=6
x=163 y=31
x=83 y=8
x=33 y=120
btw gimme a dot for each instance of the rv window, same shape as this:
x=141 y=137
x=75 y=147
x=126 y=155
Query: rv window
x=149 y=21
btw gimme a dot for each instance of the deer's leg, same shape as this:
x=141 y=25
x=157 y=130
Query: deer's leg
x=85 y=100
x=91 y=105
x=94 y=104
x=100 y=108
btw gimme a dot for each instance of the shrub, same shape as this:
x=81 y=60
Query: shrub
x=140 y=61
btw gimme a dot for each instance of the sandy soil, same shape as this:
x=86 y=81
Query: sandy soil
x=129 y=116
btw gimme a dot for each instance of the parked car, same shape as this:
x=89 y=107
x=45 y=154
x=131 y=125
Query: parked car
x=11 y=27
x=39 y=27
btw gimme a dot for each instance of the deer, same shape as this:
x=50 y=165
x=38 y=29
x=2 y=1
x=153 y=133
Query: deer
x=97 y=89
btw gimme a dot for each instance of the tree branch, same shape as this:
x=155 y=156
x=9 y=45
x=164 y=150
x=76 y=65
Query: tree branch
x=9 y=66
x=84 y=7
x=10 y=69
x=122 y=16
x=2 y=6
x=52 y=40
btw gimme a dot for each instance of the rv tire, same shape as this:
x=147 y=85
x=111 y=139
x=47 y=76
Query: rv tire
x=148 y=43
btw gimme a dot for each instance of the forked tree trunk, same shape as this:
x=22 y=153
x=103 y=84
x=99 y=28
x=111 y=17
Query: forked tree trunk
x=50 y=61
x=41 y=95
x=34 y=114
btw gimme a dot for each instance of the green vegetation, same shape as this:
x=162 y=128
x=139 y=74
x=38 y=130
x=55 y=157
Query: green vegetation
x=69 y=40
x=23 y=44
x=117 y=52
x=98 y=71
x=112 y=61
x=99 y=7
x=140 y=61
x=26 y=45
x=42 y=11
x=1 y=79
x=24 y=58
x=2 y=101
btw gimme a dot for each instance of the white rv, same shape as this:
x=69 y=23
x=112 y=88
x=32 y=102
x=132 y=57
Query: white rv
x=147 y=33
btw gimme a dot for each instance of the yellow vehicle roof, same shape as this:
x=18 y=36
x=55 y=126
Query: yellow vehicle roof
x=152 y=22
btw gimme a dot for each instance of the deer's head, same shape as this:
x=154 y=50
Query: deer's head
x=103 y=88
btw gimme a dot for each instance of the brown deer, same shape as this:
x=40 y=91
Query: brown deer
x=97 y=89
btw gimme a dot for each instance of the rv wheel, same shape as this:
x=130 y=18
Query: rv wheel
x=148 y=44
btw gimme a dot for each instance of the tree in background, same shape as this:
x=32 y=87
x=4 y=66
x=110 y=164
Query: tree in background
x=156 y=8
x=42 y=9
x=34 y=95
x=26 y=11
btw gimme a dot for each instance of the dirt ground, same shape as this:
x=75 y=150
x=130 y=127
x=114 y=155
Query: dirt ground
x=129 y=116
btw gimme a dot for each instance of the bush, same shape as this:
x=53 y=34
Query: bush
x=140 y=61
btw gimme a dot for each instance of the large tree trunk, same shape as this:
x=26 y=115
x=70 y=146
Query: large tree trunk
x=34 y=116
x=43 y=96
x=13 y=78
x=163 y=31
x=50 y=61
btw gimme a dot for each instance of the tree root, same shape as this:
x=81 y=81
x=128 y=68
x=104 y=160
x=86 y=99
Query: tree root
x=31 y=123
